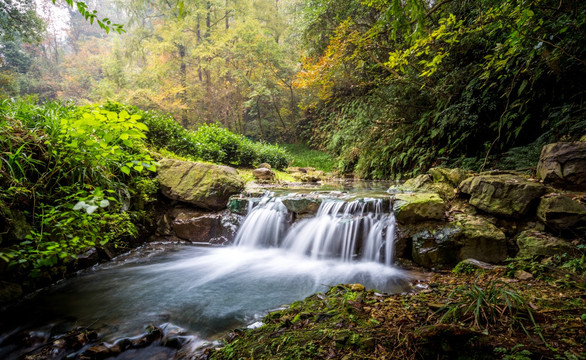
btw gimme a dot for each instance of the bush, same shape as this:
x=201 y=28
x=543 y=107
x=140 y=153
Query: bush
x=210 y=142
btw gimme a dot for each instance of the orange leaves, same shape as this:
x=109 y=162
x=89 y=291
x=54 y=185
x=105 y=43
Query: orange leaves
x=320 y=75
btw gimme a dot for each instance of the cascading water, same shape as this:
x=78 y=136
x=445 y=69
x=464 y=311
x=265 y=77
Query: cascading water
x=211 y=290
x=344 y=230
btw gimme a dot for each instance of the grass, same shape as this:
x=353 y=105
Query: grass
x=304 y=156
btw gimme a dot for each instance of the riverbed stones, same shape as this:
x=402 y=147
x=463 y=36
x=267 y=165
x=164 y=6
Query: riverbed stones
x=502 y=194
x=417 y=207
x=206 y=186
x=264 y=174
x=536 y=243
x=562 y=212
x=563 y=165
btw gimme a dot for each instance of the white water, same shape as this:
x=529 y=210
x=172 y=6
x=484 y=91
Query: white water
x=344 y=230
x=211 y=290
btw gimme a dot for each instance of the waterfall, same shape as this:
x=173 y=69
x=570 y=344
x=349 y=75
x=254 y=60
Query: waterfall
x=358 y=230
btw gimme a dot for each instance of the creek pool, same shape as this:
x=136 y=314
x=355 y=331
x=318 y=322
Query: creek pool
x=205 y=290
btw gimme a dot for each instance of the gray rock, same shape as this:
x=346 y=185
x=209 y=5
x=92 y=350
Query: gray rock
x=560 y=212
x=563 y=165
x=502 y=195
x=535 y=243
x=264 y=174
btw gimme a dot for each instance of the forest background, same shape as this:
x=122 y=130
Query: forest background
x=390 y=88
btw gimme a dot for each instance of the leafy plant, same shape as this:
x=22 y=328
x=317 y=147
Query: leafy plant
x=481 y=307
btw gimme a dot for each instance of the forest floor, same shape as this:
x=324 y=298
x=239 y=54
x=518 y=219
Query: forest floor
x=465 y=314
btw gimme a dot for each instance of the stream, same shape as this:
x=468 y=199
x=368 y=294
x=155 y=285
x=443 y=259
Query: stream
x=208 y=291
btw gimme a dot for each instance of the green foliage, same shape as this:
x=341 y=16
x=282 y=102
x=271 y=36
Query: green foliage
x=304 y=156
x=70 y=169
x=481 y=307
x=210 y=142
x=515 y=353
x=92 y=15
x=470 y=81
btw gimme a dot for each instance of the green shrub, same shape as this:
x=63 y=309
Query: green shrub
x=210 y=142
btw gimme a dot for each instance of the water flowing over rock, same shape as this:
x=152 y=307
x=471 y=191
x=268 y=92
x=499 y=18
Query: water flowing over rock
x=204 y=185
x=563 y=165
x=345 y=230
x=503 y=194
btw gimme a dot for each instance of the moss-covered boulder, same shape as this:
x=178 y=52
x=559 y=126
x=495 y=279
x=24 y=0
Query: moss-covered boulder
x=536 y=243
x=449 y=176
x=418 y=182
x=425 y=183
x=467 y=237
x=416 y=207
x=480 y=239
x=563 y=165
x=206 y=186
x=503 y=194
x=561 y=212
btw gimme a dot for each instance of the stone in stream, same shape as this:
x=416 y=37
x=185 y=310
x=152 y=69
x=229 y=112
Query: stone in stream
x=502 y=194
x=563 y=165
x=202 y=227
x=206 y=186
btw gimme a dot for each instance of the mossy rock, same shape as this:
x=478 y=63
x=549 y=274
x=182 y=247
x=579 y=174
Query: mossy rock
x=536 y=243
x=480 y=239
x=206 y=186
x=449 y=176
x=424 y=183
x=561 y=212
x=443 y=246
x=416 y=207
x=503 y=194
x=238 y=205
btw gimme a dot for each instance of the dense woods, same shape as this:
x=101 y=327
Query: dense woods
x=390 y=88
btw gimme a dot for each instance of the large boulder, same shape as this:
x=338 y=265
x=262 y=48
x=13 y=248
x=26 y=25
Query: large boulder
x=425 y=183
x=206 y=186
x=416 y=207
x=561 y=212
x=503 y=194
x=464 y=238
x=563 y=165
x=480 y=239
x=536 y=243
